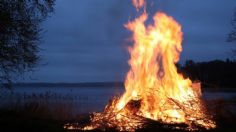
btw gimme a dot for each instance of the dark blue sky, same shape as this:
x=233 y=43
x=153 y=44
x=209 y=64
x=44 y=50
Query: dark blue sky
x=86 y=41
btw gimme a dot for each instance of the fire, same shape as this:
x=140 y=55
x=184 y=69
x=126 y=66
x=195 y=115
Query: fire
x=154 y=88
x=153 y=78
x=138 y=3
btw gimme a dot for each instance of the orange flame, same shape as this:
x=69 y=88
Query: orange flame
x=138 y=3
x=153 y=77
x=154 y=88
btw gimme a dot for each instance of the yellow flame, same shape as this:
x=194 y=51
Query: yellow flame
x=154 y=88
x=153 y=78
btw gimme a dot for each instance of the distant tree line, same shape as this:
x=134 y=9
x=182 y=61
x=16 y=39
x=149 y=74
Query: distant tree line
x=20 y=34
x=215 y=73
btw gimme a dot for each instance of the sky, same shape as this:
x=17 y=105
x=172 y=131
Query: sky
x=86 y=41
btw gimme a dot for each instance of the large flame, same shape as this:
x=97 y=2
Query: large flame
x=153 y=78
x=154 y=88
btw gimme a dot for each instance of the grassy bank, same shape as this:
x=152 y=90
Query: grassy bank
x=48 y=112
x=22 y=121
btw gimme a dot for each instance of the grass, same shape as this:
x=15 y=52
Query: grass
x=25 y=122
x=37 y=113
x=46 y=112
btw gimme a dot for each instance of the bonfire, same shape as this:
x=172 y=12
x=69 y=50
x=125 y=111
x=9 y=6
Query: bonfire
x=155 y=93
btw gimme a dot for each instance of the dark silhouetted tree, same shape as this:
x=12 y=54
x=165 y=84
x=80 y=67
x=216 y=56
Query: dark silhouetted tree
x=20 y=35
x=216 y=73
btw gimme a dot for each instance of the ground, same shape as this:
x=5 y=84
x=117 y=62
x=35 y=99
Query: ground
x=21 y=121
x=34 y=112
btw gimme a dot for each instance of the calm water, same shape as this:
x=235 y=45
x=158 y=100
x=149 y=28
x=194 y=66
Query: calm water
x=77 y=100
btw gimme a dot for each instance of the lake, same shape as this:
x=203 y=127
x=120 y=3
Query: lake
x=79 y=100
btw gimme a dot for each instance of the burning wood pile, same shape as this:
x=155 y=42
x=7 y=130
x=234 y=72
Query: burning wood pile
x=156 y=94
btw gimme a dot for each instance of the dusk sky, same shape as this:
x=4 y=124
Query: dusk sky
x=85 y=40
